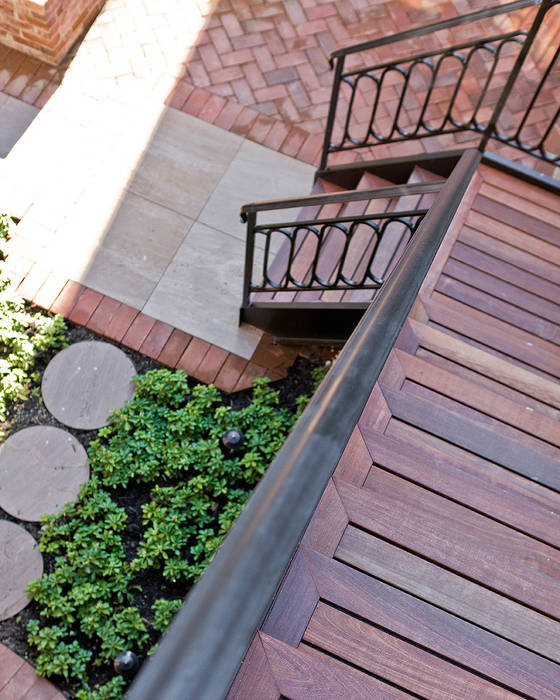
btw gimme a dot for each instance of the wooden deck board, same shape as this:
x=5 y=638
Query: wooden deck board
x=432 y=563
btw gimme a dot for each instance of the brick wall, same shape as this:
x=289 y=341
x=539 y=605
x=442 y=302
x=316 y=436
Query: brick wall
x=45 y=29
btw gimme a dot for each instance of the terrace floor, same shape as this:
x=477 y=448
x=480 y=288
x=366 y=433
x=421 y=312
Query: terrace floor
x=127 y=164
x=126 y=167
x=431 y=566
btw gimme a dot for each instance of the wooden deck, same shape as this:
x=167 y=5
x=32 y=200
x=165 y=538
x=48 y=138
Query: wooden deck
x=431 y=567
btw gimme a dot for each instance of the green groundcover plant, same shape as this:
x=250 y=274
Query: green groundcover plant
x=23 y=335
x=168 y=439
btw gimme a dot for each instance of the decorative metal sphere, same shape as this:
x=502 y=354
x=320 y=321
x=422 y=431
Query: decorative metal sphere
x=126 y=663
x=233 y=440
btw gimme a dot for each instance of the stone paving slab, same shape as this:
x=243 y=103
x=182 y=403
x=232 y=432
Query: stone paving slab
x=184 y=162
x=41 y=469
x=85 y=382
x=212 y=261
x=20 y=563
x=15 y=117
x=136 y=251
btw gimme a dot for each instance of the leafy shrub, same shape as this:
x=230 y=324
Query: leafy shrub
x=167 y=437
x=23 y=335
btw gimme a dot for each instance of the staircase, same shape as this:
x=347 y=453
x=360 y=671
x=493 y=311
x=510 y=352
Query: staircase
x=314 y=264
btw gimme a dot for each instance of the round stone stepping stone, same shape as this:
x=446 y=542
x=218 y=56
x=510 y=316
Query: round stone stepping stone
x=41 y=469
x=20 y=563
x=86 y=381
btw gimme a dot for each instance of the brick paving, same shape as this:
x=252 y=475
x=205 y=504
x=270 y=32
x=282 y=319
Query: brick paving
x=256 y=68
x=160 y=341
x=19 y=682
x=259 y=68
x=27 y=78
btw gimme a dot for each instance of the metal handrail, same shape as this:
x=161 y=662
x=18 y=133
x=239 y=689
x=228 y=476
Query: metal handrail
x=406 y=66
x=341 y=197
x=206 y=643
x=346 y=225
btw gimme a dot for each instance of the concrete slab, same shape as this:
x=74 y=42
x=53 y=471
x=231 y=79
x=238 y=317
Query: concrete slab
x=256 y=173
x=136 y=251
x=15 y=117
x=184 y=162
x=201 y=291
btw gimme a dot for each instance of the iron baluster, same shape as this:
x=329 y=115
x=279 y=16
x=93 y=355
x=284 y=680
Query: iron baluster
x=506 y=91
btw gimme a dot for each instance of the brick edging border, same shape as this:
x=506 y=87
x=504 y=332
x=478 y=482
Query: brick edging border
x=18 y=678
x=162 y=342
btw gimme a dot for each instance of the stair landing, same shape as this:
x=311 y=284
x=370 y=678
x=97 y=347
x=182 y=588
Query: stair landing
x=431 y=566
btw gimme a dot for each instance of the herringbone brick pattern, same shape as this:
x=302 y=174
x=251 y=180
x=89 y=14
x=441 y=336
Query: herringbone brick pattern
x=261 y=69
x=273 y=55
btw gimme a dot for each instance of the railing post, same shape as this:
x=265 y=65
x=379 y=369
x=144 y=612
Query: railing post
x=251 y=218
x=332 y=111
x=491 y=127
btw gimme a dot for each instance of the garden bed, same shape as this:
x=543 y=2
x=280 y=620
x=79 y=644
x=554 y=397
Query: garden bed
x=224 y=482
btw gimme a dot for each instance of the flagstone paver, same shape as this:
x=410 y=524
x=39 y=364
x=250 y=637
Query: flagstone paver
x=85 y=382
x=15 y=117
x=20 y=563
x=41 y=469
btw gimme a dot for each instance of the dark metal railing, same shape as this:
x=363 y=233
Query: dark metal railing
x=402 y=100
x=320 y=254
x=206 y=643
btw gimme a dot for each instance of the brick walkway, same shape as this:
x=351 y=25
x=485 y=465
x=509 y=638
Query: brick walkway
x=19 y=682
x=255 y=68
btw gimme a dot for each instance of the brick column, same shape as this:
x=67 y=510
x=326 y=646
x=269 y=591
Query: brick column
x=45 y=29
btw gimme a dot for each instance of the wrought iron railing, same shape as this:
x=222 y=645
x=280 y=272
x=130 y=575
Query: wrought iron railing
x=402 y=98
x=321 y=254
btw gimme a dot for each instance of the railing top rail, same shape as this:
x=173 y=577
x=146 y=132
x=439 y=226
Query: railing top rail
x=433 y=27
x=204 y=646
x=392 y=215
x=340 y=197
x=486 y=41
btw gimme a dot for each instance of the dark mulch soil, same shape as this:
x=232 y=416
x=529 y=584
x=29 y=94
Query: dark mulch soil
x=33 y=412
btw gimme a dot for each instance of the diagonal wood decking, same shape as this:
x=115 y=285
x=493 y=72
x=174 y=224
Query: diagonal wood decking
x=432 y=566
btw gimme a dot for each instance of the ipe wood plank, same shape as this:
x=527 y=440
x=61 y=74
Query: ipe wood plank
x=514 y=236
x=327 y=523
x=459 y=539
x=455 y=387
x=488 y=383
x=432 y=628
x=473 y=416
x=493 y=306
x=355 y=462
x=503 y=290
x=503 y=213
x=293 y=605
x=544 y=289
x=306 y=673
x=520 y=188
x=394 y=659
x=519 y=202
x=495 y=333
x=254 y=679
x=450 y=592
x=474 y=437
x=509 y=254
x=483 y=486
